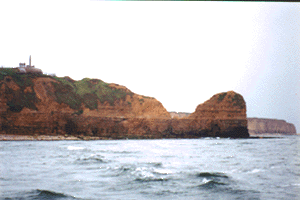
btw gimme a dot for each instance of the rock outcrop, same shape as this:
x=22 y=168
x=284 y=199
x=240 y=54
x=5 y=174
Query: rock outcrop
x=32 y=104
x=224 y=115
x=258 y=126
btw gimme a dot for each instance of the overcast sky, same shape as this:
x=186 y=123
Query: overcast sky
x=181 y=53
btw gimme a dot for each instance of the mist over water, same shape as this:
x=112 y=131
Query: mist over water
x=151 y=169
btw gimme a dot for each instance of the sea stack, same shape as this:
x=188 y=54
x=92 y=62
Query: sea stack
x=223 y=115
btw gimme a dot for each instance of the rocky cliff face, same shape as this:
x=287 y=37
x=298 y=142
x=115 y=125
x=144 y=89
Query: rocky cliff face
x=37 y=104
x=224 y=115
x=258 y=126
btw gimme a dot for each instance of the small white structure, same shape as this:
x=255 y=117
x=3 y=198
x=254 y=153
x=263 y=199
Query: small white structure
x=29 y=69
x=22 y=64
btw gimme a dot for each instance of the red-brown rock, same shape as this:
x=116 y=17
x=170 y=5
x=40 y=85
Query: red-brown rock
x=35 y=105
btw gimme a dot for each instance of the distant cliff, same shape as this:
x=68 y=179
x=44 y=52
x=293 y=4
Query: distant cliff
x=258 y=126
x=37 y=104
x=179 y=114
x=273 y=126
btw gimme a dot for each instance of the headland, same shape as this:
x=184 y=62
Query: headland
x=47 y=107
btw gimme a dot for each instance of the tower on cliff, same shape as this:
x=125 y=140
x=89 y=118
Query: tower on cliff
x=30 y=60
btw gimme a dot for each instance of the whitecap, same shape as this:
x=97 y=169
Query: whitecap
x=162 y=171
x=143 y=172
x=205 y=180
x=296 y=184
x=255 y=171
x=75 y=148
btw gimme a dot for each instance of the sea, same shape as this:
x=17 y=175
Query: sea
x=206 y=168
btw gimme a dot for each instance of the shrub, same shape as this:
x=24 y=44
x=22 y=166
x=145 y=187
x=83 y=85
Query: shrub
x=141 y=101
x=222 y=96
x=238 y=101
x=21 y=99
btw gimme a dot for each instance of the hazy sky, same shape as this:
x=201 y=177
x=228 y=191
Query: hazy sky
x=181 y=53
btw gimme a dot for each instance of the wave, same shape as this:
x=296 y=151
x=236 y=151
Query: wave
x=210 y=183
x=213 y=179
x=155 y=164
x=254 y=171
x=91 y=159
x=212 y=175
x=140 y=173
x=75 y=148
x=117 y=152
x=224 y=186
x=41 y=195
x=151 y=179
x=162 y=171
x=46 y=194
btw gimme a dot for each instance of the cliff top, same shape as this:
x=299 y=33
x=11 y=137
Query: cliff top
x=66 y=90
x=94 y=97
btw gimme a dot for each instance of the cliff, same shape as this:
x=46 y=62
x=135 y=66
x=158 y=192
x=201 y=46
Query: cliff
x=272 y=126
x=31 y=93
x=179 y=114
x=225 y=115
x=257 y=126
x=35 y=104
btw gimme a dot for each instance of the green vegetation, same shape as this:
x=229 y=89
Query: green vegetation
x=238 y=101
x=22 y=80
x=222 y=96
x=73 y=93
x=19 y=99
x=66 y=81
x=79 y=112
x=65 y=94
x=141 y=101
x=86 y=91
x=147 y=97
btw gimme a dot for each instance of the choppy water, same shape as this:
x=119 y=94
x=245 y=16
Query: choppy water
x=151 y=169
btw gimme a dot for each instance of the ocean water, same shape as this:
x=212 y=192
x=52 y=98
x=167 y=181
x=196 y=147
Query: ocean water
x=151 y=169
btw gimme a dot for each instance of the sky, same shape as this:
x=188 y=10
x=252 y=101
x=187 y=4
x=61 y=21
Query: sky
x=181 y=53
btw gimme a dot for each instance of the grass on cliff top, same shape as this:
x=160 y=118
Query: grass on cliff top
x=237 y=99
x=73 y=93
x=86 y=91
x=19 y=99
x=22 y=80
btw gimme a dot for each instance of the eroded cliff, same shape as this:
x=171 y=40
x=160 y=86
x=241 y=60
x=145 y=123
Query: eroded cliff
x=33 y=104
x=224 y=115
x=258 y=126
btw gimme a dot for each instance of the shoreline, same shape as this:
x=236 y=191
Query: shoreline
x=9 y=137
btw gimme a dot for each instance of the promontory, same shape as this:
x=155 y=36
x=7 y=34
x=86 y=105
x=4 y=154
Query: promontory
x=38 y=104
